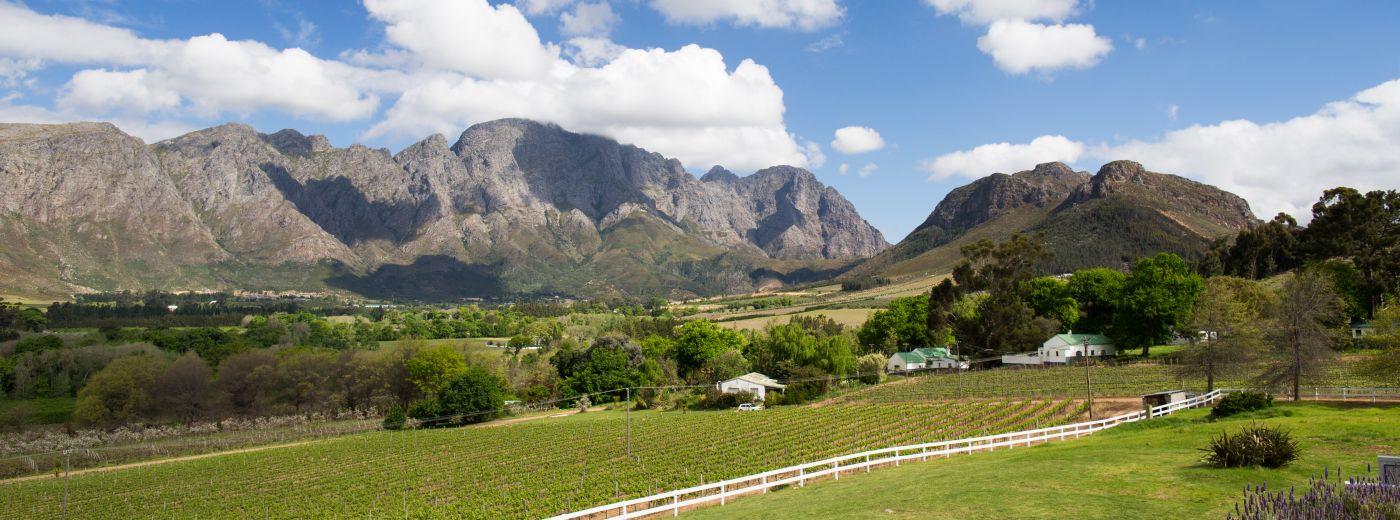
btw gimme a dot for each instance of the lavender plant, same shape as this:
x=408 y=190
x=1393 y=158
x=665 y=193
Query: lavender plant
x=1358 y=498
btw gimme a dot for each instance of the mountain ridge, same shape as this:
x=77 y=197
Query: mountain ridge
x=522 y=207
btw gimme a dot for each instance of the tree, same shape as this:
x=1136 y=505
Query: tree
x=1096 y=291
x=612 y=362
x=699 y=340
x=185 y=390
x=303 y=379
x=1385 y=364
x=1050 y=298
x=119 y=393
x=1156 y=301
x=1364 y=228
x=243 y=377
x=727 y=365
x=871 y=368
x=1226 y=329
x=30 y=319
x=1302 y=337
x=1004 y=270
x=780 y=349
x=430 y=368
x=902 y=326
x=472 y=395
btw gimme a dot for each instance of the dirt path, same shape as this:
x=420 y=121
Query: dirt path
x=251 y=449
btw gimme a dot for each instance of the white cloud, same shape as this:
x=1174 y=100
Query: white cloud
x=983 y=12
x=539 y=7
x=72 y=40
x=805 y=15
x=843 y=169
x=101 y=91
x=1173 y=111
x=15 y=71
x=589 y=19
x=1019 y=47
x=868 y=170
x=834 y=41
x=470 y=36
x=852 y=140
x=148 y=130
x=1285 y=166
x=813 y=152
x=591 y=52
x=1003 y=158
x=681 y=103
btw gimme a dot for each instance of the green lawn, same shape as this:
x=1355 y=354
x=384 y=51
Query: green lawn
x=1143 y=470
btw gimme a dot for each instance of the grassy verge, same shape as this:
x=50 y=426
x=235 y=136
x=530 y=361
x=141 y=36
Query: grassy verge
x=1144 y=470
x=42 y=410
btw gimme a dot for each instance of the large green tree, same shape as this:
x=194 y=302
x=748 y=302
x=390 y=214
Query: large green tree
x=471 y=396
x=1097 y=292
x=1156 y=301
x=1366 y=229
x=120 y=392
x=1004 y=270
x=1050 y=298
x=901 y=326
x=699 y=340
x=1303 y=335
x=1227 y=329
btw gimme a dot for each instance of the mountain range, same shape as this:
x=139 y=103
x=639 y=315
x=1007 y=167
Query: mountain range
x=517 y=208
x=1110 y=218
x=513 y=207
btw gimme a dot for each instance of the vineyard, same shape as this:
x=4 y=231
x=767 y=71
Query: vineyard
x=1127 y=380
x=529 y=469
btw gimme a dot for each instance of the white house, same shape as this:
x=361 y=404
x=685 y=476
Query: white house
x=920 y=358
x=752 y=382
x=1063 y=348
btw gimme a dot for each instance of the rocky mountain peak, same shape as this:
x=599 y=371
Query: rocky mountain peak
x=719 y=174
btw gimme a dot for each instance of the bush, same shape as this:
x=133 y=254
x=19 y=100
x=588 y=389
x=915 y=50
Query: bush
x=395 y=418
x=38 y=344
x=714 y=399
x=1252 y=447
x=1241 y=402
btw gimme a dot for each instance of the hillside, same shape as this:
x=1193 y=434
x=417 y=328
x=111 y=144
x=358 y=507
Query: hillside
x=513 y=207
x=1110 y=218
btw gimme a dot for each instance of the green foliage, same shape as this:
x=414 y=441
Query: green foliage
x=1309 y=316
x=714 y=399
x=119 y=392
x=1006 y=323
x=1240 y=402
x=30 y=319
x=698 y=341
x=432 y=367
x=1349 y=284
x=780 y=349
x=1097 y=291
x=473 y=395
x=901 y=327
x=871 y=368
x=1157 y=299
x=1226 y=329
x=395 y=418
x=1275 y=247
x=38 y=343
x=806 y=384
x=1364 y=228
x=1050 y=298
x=610 y=363
x=1253 y=446
x=863 y=283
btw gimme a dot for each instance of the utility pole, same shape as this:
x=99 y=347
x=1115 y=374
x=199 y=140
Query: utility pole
x=627 y=412
x=1088 y=384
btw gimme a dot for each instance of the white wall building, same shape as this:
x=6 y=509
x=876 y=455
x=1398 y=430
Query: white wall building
x=1064 y=348
x=752 y=382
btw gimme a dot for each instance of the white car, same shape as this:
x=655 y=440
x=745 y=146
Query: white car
x=750 y=407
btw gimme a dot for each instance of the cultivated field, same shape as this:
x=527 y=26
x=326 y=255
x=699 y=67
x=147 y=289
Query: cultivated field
x=528 y=469
x=852 y=318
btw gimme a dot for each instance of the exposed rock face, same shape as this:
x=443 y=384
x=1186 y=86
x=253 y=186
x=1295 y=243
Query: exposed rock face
x=514 y=205
x=1111 y=218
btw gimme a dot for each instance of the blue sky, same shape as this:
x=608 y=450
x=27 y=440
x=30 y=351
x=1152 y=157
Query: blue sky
x=1274 y=100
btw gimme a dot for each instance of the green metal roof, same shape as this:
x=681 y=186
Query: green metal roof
x=932 y=352
x=910 y=357
x=1079 y=339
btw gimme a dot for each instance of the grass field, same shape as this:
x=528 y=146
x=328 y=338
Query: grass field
x=1129 y=380
x=528 y=469
x=42 y=410
x=1146 y=470
x=852 y=318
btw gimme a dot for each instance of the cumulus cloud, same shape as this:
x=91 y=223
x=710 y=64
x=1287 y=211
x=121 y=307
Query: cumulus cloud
x=983 y=12
x=588 y=19
x=1284 y=166
x=868 y=170
x=1003 y=157
x=1019 y=47
x=804 y=15
x=446 y=65
x=852 y=140
x=682 y=103
x=1173 y=112
x=843 y=169
x=813 y=153
x=16 y=71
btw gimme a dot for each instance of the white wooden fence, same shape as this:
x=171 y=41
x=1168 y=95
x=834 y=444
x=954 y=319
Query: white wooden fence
x=674 y=502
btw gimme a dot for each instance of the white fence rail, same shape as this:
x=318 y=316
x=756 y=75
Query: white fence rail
x=674 y=502
x=1344 y=393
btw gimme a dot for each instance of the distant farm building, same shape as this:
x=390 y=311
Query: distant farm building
x=921 y=358
x=752 y=382
x=1360 y=329
x=1064 y=348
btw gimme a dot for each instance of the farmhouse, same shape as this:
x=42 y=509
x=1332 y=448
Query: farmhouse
x=1063 y=348
x=921 y=358
x=752 y=382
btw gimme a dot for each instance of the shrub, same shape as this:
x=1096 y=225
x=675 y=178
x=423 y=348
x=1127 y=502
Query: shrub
x=1252 y=447
x=1241 y=402
x=38 y=344
x=395 y=418
x=1358 y=497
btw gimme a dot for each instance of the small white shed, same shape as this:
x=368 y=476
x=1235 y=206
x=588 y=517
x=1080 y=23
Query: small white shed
x=752 y=382
x=1063 y=348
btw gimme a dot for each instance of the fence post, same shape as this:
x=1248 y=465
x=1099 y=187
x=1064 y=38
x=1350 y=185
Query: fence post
x=675 y=505
x=867 y=464
x=764 y=482
x=721 y=494
x=838 y=470
x=801 y=481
